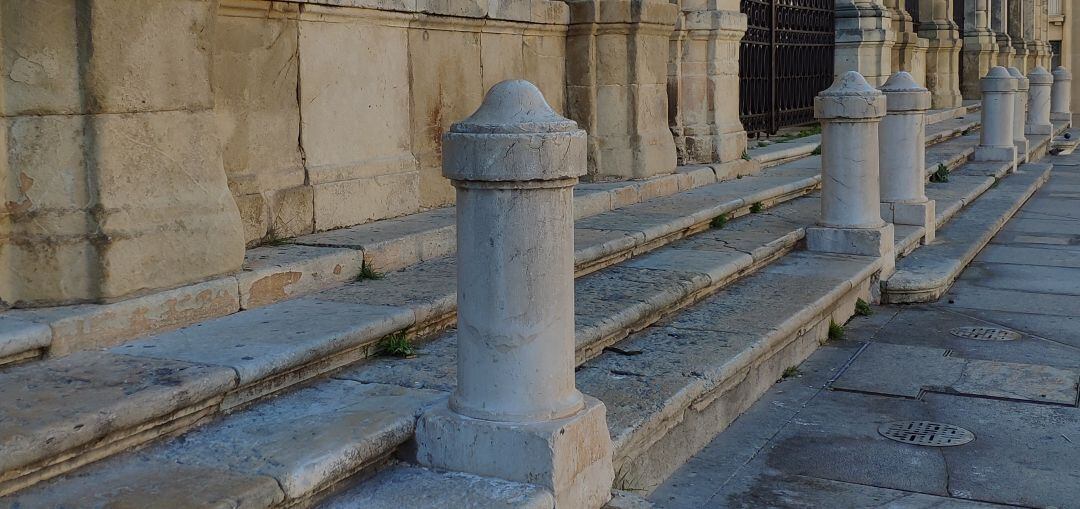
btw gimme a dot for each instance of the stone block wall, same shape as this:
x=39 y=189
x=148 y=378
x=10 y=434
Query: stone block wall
x=332 y=115
x=112 y=178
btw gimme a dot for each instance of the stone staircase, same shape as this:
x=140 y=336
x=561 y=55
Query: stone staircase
x=656 y=285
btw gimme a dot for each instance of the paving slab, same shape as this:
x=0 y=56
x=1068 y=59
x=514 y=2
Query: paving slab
x=781 y=491
x=909 y=371
x=1036 y=278
x=1027 y=256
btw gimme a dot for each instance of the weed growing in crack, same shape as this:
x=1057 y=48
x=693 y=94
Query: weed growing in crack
x=791 y=371
x=367 y=272
x=719 y=221
x=273 y=240
x=836 y=331
x=816 y=151
x=396 y=345
x=745 y=155
x=862 y=308
x=940 y=175
x=756 y=207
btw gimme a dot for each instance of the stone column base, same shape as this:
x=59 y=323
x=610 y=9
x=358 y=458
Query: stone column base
x=855 y=241
x=1039 y=129
x=572 y=456
x=914 y=214
x=995 y=155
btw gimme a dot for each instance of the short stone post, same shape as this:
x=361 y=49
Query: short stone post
x=1061 y=96
x=516 y=413
x=1020 y=104
x=1038 y=119
x=902 y=149
x=850 y=111
x=996 y=137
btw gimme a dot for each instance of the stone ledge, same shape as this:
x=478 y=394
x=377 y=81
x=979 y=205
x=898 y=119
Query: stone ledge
x=927 y=274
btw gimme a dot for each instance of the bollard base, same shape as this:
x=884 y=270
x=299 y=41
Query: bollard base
x=572 y=456
x=1039 y=129
x=1022 y=147
x=914 y=214
x=855 y=241
x=996 y=155
x=1062 y=117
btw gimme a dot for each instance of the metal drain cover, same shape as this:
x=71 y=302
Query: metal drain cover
x=928 y=433
x=986 y=333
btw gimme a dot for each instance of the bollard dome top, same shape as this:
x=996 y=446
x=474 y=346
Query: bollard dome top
x=514 y=106
x=514 y=136
x=1040 y=76
x=1021 y=80
x=851 y=97
x=903 y=93
x=1062 y=74
x=998 y=80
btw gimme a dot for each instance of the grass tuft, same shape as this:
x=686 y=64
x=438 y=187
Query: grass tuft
x=791 y=371
x=817 y=151
x=836 y=331
x=862 y=308
x=396 y=345
x=719 y=221
x=756 y=207
x=367 y=272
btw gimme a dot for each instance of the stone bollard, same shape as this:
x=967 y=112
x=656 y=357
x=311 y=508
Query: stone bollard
x=851 y=223
x=516 y=413
x=1038 y=119
x=1020 y=103
x=996 y=138
x=902 y=149
x=1061 y=96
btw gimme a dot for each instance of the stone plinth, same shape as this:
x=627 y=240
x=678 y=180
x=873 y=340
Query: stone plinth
x=1039 y=97
x=942 y=54
x=902 y=155
x=996 y=137
x=1061 y=96
x=909 y=50
x=516 y=413
x=850 y=111
x=616 y=85
x=1020 y=104
x=979 y=47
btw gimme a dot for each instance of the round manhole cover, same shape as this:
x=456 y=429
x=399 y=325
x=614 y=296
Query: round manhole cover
x=986 y=333
x=928 y=433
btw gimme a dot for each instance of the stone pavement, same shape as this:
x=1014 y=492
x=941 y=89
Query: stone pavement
x=813 y=439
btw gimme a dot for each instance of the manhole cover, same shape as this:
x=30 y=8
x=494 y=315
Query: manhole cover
x=933 y=434
x=986 y=333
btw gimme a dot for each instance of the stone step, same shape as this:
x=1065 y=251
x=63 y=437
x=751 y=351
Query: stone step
x=927 y=274
x=269 y=348
x=311 y=263
x=612 y=303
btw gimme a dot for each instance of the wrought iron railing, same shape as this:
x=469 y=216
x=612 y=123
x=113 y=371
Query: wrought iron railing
x=785 y=59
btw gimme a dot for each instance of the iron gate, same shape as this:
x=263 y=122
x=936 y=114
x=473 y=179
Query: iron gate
x=785 y=59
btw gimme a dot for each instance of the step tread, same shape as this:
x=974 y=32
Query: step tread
x=928 y=272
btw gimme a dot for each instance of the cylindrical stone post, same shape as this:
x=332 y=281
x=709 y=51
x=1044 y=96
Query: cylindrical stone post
x=850 y=111
x=1038 y=120
x=1020 y=103
x=996 y=138
x=516 y=412
x=902 y=151
x=1061 y=96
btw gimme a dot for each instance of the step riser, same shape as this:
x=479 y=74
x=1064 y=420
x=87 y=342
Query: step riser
x=654 y=453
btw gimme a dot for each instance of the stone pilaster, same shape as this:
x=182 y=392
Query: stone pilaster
x=864 y=39
x=115 y=180
x=616 y=85
x=980 y=45
x=1016 y=19
x=516 y=412
x=999 y=24
x=942 y=54
x=909 y=50
x=704 y=85
x=850 y=223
